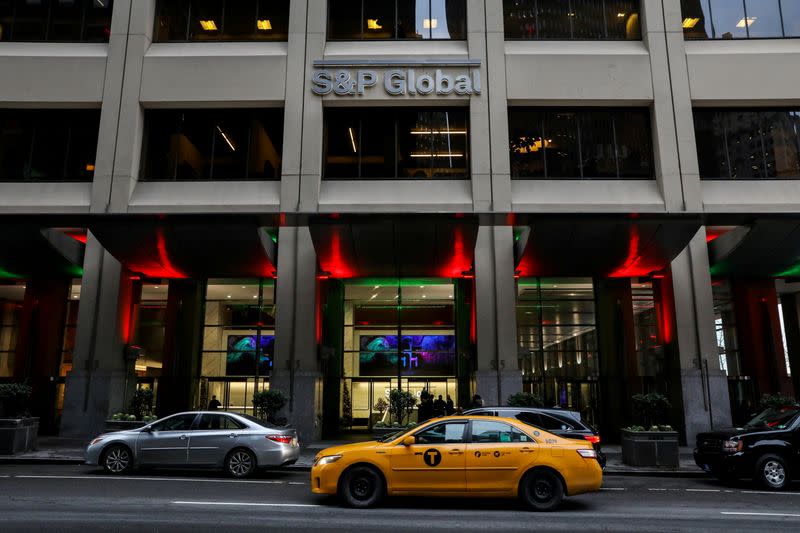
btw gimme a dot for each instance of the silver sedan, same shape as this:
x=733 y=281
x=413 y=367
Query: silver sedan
x=237 y=443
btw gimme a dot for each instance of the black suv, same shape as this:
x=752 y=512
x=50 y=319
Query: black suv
x=561 y=422
x=766 y=449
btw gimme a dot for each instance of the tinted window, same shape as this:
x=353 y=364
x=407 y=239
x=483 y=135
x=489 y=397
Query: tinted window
x=484 y=431
x=452 y=432
x=174 y=423
x=740 y=19
x=397 y=19
x=748 y=144
x=48 y=146
x=580 y=143
x=222 y=20
x=551 y=423
x=195 y=145
x=55 y=20
x=208 y=421
x=396 y=143
x=571 y=19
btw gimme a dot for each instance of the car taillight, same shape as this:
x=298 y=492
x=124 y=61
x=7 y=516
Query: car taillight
x=588 y=454
x=594 y=439
x=283 y=439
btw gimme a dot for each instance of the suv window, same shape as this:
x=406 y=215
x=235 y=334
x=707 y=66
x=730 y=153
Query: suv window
x=485 y=431
x=221 y=422
x=451 y=432
x=174 y=423
x=552 y=423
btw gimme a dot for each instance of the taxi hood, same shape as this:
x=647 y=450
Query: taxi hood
x=344 y=448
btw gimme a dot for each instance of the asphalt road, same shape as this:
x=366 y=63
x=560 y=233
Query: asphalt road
x=78 y=498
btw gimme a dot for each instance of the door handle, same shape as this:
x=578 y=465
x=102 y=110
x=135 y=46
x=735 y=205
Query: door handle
x=182 y=437
x=526 y=450
x=456 y=452
x=232 y=436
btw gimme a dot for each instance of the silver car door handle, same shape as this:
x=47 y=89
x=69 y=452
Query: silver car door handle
x=182 y=437
x=232 y=436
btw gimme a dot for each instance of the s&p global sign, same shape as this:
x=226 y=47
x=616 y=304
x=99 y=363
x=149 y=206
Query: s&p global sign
x=396 y=78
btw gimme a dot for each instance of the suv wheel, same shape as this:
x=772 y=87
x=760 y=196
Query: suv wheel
x=541 y=490
x=772 y=473
x=361 y=487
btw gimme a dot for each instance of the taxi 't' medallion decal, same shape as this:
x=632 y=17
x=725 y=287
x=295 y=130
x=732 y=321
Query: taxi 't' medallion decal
x=432 y=457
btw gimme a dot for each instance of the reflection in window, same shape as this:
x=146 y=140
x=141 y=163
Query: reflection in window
x=396 y=143
x=222 y=20
x=196 y=145
x=55 y=20
x=397 y=19
x=740 y=19
x=11 y=298
x=572 y=19
x=580 y=143
x=48 y=145
x=744 y=144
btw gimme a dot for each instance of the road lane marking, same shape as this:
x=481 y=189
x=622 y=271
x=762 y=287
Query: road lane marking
x=770 y=493
x=658 y=490
x=612 y=488
x=248 y=504
x=743 y=513
x=189 y=480
x=703 y=490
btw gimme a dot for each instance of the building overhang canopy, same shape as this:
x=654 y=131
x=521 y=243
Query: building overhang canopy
x=617 y=246
x=190 y=246
x=29 y=250
x=394 y=246
x=767 y=247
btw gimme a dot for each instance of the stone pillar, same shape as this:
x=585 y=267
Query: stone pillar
x=96 y=386
x=497 y=373
x=704 y=386
x=296 y=369
x=331 y=353
x=791 y=324
x=177 y=386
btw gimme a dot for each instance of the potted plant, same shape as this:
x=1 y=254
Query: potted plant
x=139 y=414
x=654 y=443
x=18 y=430
x=267 y=404
x=524 y=399
x=379 y=408
x=401 y=404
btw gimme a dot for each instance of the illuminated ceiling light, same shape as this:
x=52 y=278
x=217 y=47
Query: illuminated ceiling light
x=373 y=296
x=571 y=14
x=255 y=296
x=422 y=286
x=372 y=24
x=208 y=25
x=746 y=21
x=229 y=296
x=244 y=287
x=430 y=24
x=157 y=287
x=438 y=132
x=621 y=15
x=352 y=140
x=227 y=140
x=377 y=287
x=264 y=25
x=448 y=154
x=449 y=295
x=690 y=22
x=90 y=168
x=424 y=296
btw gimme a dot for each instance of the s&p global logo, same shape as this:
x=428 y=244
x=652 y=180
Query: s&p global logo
x=395 y=82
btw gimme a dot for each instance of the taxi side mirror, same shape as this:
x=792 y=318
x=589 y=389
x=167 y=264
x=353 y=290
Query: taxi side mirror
x=409 y=441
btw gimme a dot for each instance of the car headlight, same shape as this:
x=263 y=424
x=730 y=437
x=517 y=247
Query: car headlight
x=328 y=459
x=732 y=446
x=95 y=441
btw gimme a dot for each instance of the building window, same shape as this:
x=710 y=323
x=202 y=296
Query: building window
x=740 y=19
x=354 y=20
x=572 y=19
x=222 y=20
x=56 y=20
x=748 y=144
x=12 y=296
x=48 y=145
x=580 y=143
x=213 y=144
x=397 y=143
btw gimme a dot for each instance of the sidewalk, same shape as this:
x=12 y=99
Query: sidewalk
x=57 y=450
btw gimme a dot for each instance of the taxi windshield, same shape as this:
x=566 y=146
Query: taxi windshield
x=393 y=435
x=774 y=417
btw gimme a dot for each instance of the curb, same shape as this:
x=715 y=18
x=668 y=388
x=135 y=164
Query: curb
x=40 y=461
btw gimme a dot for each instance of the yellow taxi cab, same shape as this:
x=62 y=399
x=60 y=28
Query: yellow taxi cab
x=473 y=456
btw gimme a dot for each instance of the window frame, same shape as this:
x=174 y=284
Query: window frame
x=191 y=427
x=512 y=426
x=329 y=37
x=606 y=27
x=711 y=24
x=465 y=436
x=47 y=21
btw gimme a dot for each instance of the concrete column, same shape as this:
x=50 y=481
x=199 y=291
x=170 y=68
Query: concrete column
x=497 y=372
x=98 y=381
x=791 y=323
x=296 y=369
x=704 y=386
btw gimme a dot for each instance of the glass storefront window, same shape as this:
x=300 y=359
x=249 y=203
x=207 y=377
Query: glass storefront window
x=580 y=143
x=56 y=20
x=740 y=19
x=725 y=320
x=48 y=145
x=238 y=341
x=68 y=343
x=572 y=19
x=149 y=330
x=11 y=298
x=222 y=20
x=748 y=144
x=353 y=20
x=650 y=350
x=219 y=145
x=396 y=143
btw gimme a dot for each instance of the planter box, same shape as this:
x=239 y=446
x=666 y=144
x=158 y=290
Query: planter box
x=122 y=425
x=650 y=448
x=18 y=435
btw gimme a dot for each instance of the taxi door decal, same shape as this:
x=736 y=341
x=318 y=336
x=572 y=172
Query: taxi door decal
x=432 y=457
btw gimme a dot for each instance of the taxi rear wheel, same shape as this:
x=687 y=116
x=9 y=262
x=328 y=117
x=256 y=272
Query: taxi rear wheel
x=541 y=490
x=361 y=487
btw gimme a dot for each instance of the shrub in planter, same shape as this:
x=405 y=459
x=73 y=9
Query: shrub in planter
x=141 y=404
x=267 y=403
x=18 y=431
x=524 y=399
x=401 y=403
x=14 y=400
x=776 y=401
x=653 y=443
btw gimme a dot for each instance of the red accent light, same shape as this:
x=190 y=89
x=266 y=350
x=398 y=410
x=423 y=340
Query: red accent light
x=283 y=439
x=461 y=260
x=634 y=265
x=79 y=235
x=594 y=439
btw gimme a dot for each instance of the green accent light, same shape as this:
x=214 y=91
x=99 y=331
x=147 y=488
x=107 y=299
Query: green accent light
x=5 y=274
x=791 y=272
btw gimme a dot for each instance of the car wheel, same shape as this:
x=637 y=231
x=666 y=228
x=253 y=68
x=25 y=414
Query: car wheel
x=541 y=490
x=117 y=459
x=240 y=463
x=361 y=487
x=772 y=473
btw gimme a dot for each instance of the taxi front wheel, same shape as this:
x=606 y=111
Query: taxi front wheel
x=541 y=490
x=361 y=487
